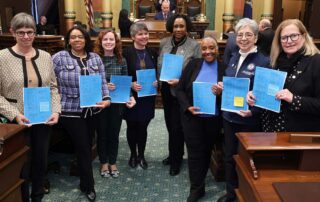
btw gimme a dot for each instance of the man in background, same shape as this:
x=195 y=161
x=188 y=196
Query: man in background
x=265 y=36
x=165 y=13
x=171 y=2
x=43 y=28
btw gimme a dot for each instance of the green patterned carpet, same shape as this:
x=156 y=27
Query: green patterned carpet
x=134 y=185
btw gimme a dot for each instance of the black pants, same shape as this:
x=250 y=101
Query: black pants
x=172 y=118
x=137 y=137
x=108 y=133
x=200 y=135
x=231 y=148
x=81 y=132
x=35 y=169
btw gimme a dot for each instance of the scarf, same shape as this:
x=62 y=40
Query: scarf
x=286 y=64
x=175 y=44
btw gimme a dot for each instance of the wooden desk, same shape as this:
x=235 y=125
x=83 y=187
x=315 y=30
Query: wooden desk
x=13 y=154
x=49 y=43
x=265 y=158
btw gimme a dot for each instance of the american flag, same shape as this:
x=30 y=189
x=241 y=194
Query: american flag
x=89 y=10
x=247 y=11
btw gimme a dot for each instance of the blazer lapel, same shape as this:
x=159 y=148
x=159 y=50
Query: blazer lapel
x=300 y=68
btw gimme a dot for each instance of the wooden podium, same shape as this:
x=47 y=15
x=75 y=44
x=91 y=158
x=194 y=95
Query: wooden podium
x=13 y=154
x=266 y=160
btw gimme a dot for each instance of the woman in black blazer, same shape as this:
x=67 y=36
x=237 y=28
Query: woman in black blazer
x=294 y=52
x=199 y=129
x=138 y=57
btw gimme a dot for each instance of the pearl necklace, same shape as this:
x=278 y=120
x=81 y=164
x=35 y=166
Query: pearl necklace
x=79 y=56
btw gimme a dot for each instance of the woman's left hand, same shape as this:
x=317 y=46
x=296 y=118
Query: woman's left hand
x=285 y=95
x=103 y=104
x=131 y=102
x=194 y=110
x=53 y=119
x=155 y=83
x=245 y=113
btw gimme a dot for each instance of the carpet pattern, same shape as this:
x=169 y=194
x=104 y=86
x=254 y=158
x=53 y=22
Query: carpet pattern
x=134 y=185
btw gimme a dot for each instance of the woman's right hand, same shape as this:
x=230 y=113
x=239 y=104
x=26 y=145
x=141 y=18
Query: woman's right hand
x=173 y=82
x=194 y=110
x=217 y=88
x=22 y=120
x=251 y=99
x=131 y=102
x=135 y=86
x=111 y=86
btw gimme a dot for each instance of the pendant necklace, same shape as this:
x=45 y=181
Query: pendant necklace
x=142 y=61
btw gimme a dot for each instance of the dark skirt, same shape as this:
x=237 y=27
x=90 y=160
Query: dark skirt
x=142 y=111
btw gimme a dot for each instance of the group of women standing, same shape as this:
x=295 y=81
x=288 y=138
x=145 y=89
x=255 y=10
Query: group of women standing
x=294 y=52
x=23 y=66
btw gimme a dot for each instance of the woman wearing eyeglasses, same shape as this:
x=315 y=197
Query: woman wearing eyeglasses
x=23 y=66
x=242 y=64
x=80 y=123
x=294 y=52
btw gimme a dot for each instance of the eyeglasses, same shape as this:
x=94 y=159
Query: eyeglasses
x=247 y=35
x=22 y=34
x=293 y=37
x=76 y=36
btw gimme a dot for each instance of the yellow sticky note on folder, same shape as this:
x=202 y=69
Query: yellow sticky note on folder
x=238 y=101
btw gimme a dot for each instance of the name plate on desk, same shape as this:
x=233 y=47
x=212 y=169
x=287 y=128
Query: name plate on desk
x=304 y=138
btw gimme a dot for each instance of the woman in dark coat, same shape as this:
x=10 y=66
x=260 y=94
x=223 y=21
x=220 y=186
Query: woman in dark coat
x=138 y=57
x=199 y=129
x=294 y=52
x=124 y=23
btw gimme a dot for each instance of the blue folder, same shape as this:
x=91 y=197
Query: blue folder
x=90 y=90
x=171 y=67
x=146 y=78
x=267 y=82
x=122 y=92
x=37 y=104
x=204 y=98
x=234 y=94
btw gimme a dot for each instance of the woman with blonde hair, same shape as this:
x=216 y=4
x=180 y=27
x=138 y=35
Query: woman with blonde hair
x=293 y=51
x=108 y=46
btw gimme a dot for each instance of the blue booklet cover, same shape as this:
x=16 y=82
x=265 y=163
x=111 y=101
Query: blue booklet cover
x=146 y=78
x=234 y=94
x=204 y=98
x=267 y=82
x=90 y=90
x=171 y=67
x=122 y=92
x=37 y=104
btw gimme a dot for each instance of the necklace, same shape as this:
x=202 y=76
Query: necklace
x=141 y=60
x=79 y=56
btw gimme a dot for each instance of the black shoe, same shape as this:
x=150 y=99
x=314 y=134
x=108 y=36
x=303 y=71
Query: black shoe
x=195 y=197
x=91 y=195
x=46 y=187
x=166 y=161
x=222 y=198
x=133 y=162
x=143 y=163
x=174 y=170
